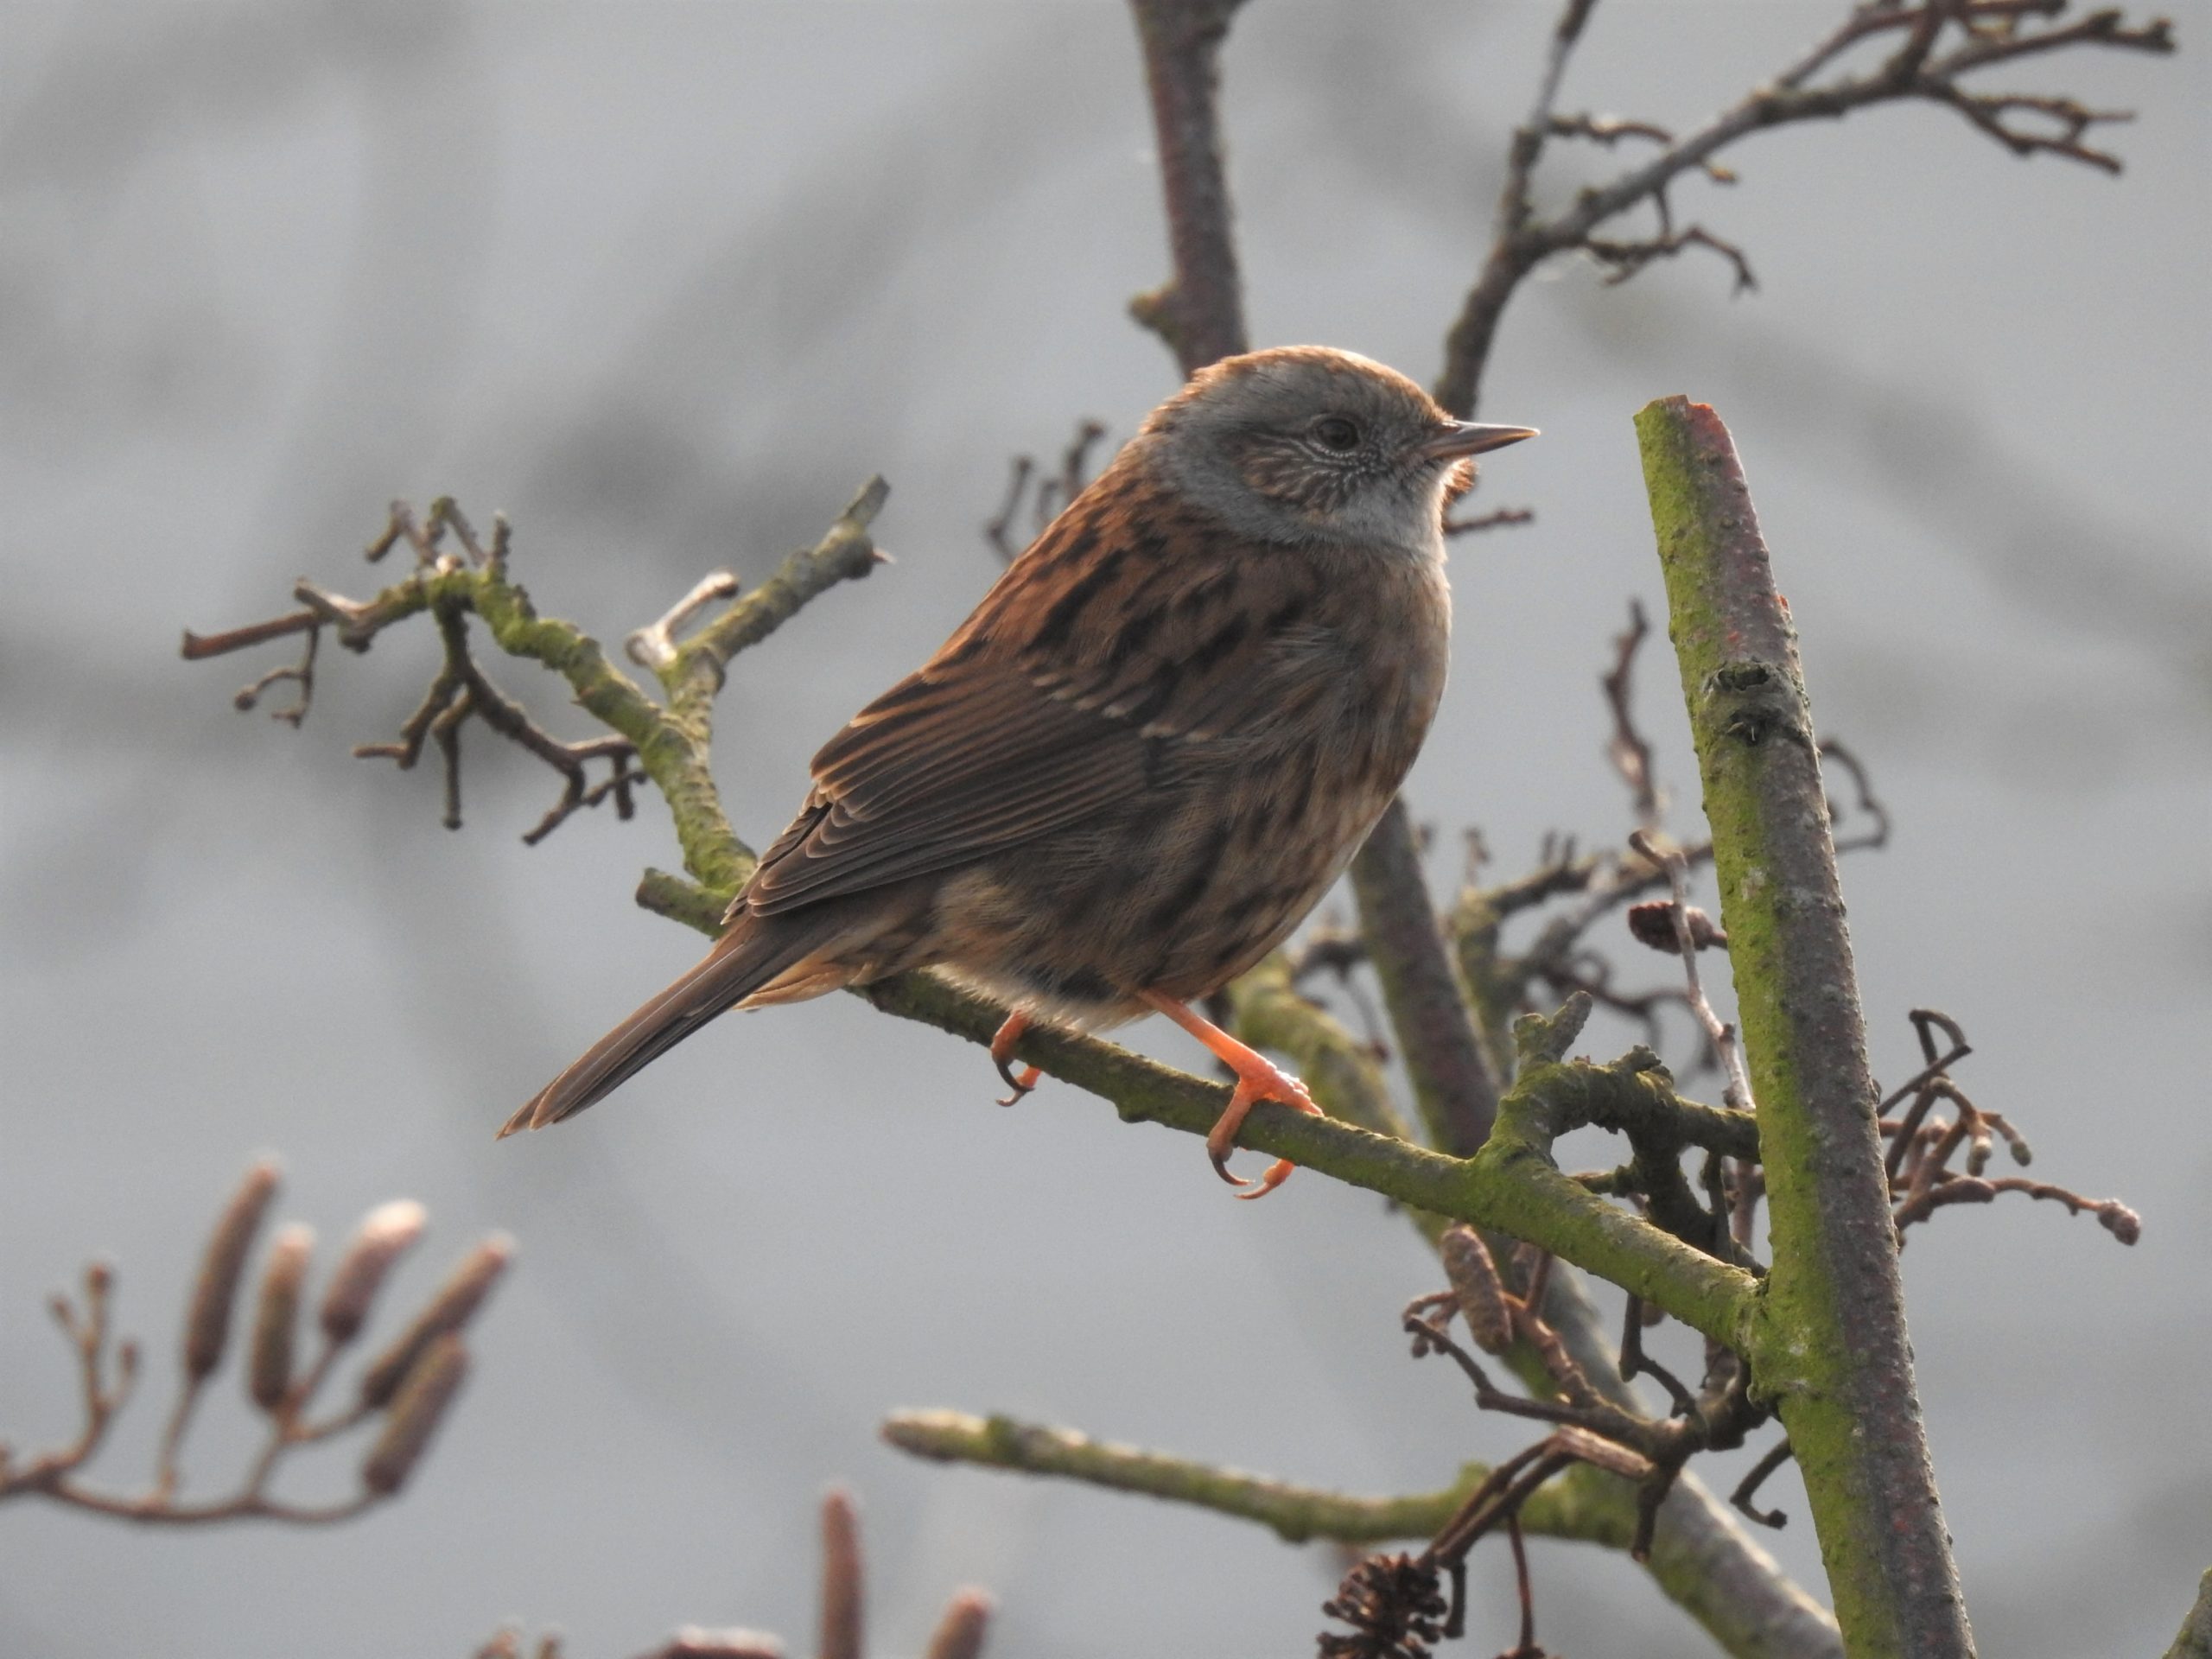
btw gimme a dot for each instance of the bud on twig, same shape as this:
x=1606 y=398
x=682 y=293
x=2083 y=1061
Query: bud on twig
x=454 y=1306
x=207 y=1324
x=415 y=1415
x=1480 y=1291
x=276 y=1314
x=386 y=1231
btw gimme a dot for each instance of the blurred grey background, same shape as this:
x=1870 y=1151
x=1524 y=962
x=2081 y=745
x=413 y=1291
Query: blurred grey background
x=666 y=282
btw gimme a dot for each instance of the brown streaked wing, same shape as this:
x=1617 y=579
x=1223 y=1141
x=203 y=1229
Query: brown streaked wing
x=1011 y=732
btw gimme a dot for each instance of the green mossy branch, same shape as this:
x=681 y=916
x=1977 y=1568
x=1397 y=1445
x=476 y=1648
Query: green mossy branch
x=1511 y=1185
x=1701 y=1567
x=1585 y=1504
x=1830 y=1345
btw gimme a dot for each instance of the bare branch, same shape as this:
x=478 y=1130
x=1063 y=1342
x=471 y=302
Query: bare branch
x=1199 y=311
x=1944 y=42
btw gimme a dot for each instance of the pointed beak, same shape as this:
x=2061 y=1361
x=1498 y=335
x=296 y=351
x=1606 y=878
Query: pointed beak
x=1471 y=438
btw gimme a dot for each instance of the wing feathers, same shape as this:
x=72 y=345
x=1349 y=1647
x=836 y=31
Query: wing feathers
x=1051 y=703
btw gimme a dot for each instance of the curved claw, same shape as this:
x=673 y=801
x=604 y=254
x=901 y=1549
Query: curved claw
x=1252 y=1088
x=1258 y=1078
x=1002 y=1057
x=1278 y=1173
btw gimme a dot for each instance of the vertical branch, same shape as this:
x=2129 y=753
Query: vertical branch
x=1454 y=1082
x=1199 y=311
x=1701 y=1558
x=1833 y=1353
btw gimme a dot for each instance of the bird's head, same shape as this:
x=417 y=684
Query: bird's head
x=1304 y=443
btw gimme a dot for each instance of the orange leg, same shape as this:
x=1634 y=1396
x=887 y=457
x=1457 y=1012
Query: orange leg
x=1002 y=1057
x=1258 y=1079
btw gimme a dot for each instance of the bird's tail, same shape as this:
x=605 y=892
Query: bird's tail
x=744 y=960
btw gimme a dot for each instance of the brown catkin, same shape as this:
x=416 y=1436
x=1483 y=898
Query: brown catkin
x=960 y=1633
x=454 y=1306
x=207 y=1323
x=693 y=1642
x=842 y=1636
x=276 y=1316
x=416 y=1413
x=385 y=1233
x=1479 y=1292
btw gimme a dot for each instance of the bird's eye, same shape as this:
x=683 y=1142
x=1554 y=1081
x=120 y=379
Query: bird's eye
x=1334 y=432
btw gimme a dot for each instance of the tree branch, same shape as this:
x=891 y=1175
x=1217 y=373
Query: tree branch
x=1833 y=1351
x=1511 y=1185
x=2194 y=1640
x=1980 y=33
x=1295 y=1514
x=1199 y=311
x=1455 y=1082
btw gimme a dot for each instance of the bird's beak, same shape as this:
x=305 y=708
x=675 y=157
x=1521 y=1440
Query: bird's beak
x=1471 y=438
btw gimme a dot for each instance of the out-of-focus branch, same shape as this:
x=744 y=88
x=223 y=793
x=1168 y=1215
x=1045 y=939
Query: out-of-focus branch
x=1944 y=41
x=1296 y=1514
x=409 y=1386
x=1340 y=1071
x=1199 y=311
x=842 y=1592
x=2194 y=1640
x=1043 y=491
x=1832 y=1349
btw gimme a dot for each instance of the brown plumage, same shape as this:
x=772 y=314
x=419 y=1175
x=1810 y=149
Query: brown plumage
x=1147 y=753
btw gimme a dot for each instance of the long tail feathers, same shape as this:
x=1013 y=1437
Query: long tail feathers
x=740 y=963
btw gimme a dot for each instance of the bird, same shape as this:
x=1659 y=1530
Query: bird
x=1145 y=756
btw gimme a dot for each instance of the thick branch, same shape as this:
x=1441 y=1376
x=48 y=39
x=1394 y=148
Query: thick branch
x=1199 y=311
x=1833 y=1351
x=1454 y=1080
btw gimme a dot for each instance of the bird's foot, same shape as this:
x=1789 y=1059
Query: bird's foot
x=1264 y=1081
x=1258 y=1078
x=1002 y=1057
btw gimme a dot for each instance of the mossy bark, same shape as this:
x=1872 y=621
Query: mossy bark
x=1829 y=1343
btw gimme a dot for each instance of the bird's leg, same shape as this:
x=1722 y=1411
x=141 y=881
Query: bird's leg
x=1002 y=1057
x=1257 y=1078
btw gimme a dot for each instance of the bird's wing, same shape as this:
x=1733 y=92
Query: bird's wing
x=1097 y=664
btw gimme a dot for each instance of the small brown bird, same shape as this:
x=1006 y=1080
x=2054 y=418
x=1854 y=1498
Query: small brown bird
x=1149 y=752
